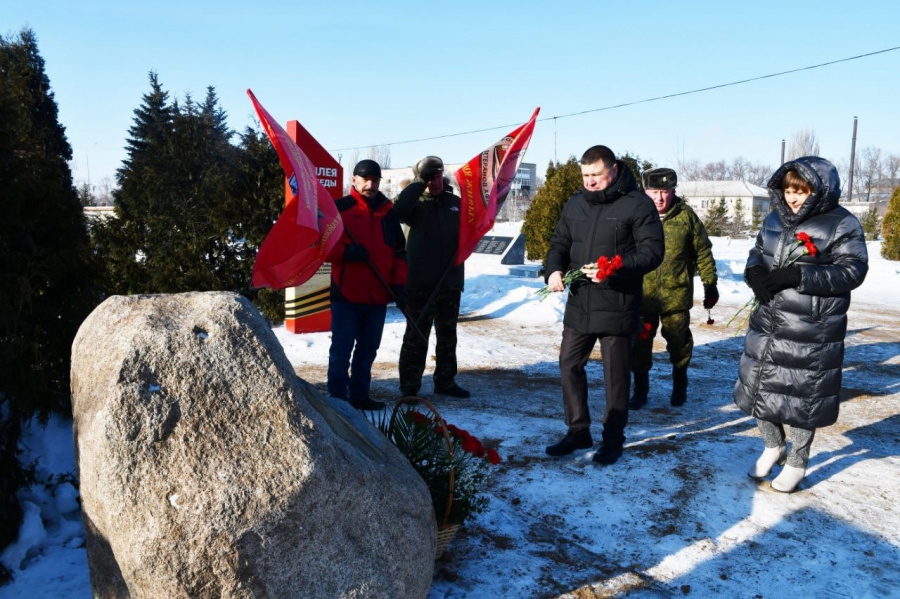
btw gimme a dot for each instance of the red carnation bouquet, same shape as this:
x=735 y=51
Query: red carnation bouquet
x=809 y=248
x=421 y=439
x=594 y=272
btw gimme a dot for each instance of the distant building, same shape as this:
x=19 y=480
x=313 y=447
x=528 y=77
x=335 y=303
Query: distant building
x=861 y=209
x=99 y=212
x=703 y=195
x=520 y=196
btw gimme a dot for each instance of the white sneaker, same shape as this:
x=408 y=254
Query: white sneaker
x=787 y=481
x=770 y=456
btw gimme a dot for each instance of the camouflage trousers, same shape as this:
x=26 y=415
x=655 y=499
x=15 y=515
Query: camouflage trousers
x=677 y=333
x=443 y=313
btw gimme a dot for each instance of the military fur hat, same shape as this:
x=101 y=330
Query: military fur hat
x=659 y=178
x=428 y=165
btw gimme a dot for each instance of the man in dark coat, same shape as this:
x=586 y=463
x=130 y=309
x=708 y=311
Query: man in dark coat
x=609 y=217
x=368 y=271
x=809 y=255
x=669 y=290
x=431 y=210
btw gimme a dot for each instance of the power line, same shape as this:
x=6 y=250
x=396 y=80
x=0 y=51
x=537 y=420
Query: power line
x=633 y=103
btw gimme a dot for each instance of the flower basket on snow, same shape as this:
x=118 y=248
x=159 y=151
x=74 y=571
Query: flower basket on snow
x=452 y=462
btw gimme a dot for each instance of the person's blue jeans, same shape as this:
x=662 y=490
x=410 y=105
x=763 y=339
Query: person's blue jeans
x=360 y=325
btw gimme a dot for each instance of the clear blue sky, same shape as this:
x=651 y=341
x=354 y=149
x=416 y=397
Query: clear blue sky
x=364 y=73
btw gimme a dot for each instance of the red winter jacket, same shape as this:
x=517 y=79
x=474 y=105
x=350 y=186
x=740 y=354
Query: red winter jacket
x=376 y=227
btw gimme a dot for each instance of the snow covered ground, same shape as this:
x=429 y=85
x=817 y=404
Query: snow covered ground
x=676 y=515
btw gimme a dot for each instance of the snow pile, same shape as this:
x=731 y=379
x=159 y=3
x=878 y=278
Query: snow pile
x=51 y=511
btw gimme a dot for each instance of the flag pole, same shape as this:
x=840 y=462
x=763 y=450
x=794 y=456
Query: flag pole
x=387 y=287
x=437 y=287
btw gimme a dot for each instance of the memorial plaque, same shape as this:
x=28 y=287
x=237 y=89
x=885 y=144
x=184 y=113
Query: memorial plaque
x=516 y=252
x=493 y=245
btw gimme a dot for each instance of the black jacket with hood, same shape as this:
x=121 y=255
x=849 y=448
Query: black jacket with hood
x=617 y=220
x=790 y=371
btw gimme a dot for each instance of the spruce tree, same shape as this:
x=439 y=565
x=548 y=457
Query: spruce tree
x=737 y=222
x=717 y=222
x=890 y=229
x=756 y=219
x=637 y=165
x=258 y=201
x=47 y=283
x=120 y=243
x=561 y=182
x=870 y=223
x=193 y=208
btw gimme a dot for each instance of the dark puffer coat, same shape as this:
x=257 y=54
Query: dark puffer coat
x=791 y=368
x=618 y=220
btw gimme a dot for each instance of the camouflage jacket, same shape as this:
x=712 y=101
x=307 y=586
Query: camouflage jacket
x=670 y=288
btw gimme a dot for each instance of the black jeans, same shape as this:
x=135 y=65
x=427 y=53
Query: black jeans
x=443 y=313
x=616 y=354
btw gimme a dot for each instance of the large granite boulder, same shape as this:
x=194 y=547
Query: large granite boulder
x=209 y=470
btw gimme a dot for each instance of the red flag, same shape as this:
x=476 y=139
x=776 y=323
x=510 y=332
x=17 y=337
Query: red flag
x=485 y=181
x=310 y=224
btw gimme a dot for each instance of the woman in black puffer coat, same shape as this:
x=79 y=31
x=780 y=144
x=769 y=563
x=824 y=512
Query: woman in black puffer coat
x=790 y=373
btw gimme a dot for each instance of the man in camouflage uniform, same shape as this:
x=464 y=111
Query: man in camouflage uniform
x=669 y=290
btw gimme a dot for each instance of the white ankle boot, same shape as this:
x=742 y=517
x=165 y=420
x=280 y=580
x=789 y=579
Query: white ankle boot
x=790 y=477
x=770 y=456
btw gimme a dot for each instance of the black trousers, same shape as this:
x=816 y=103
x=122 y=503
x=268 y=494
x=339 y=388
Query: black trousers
x=574 y=354
x=443 y=313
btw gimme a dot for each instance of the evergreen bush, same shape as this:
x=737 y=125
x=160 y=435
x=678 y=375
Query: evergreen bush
x=47 y=275
x=192 y=208
x=890 y=228
x=561 y=182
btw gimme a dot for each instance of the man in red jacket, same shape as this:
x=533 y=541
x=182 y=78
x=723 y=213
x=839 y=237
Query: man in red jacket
x=368 y=271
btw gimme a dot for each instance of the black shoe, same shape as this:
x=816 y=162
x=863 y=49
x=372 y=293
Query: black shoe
x=641 y=390
x=454 y=391
x=409 y=392
x=608 y=454
x=367 y=404
x=579 y=439
x=679 y=386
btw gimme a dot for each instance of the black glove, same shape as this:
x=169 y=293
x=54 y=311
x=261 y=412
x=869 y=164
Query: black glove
x=400 y=296
x=782 y=278
x=428 y=167
x=356 y=253
x=710 y=296
x=756 y=277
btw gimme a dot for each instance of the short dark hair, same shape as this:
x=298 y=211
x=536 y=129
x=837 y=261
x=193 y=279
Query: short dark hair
x=792 y=179
x=599 y=154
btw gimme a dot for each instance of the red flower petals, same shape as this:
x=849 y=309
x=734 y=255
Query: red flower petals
x=607 y=267
x=468 y=442
x=804 y=239
x=418 y=418
x=645 y=330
